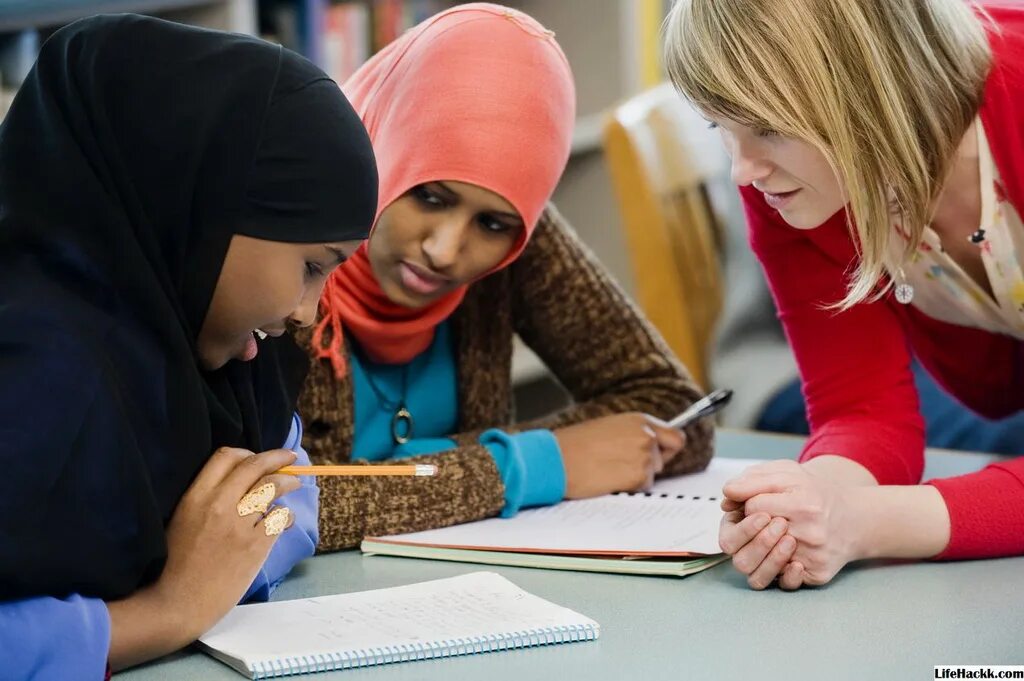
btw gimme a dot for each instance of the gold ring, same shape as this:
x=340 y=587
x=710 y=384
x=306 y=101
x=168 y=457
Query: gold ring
x=257 y=500
x=276 y=521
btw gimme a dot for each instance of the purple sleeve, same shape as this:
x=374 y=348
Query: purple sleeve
x=298 y=542
x=48 y=638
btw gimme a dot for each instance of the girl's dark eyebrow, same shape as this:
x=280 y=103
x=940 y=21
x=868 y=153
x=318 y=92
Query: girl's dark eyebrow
x=338 y=255
x=453 y=195
x=448 y=192
x=512 y=217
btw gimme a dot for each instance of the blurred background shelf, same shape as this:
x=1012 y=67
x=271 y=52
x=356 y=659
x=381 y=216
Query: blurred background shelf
x=17 y=15
x=25 y=24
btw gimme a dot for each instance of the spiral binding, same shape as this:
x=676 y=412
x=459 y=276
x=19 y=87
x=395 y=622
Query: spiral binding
x=694 y=497
x=267 y=669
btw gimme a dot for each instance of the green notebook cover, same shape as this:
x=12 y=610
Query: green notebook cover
x=643 y=566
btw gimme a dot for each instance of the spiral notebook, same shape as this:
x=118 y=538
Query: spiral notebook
x=479 y=612
x=678 y=518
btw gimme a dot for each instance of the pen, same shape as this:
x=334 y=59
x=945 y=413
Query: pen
x=419 y=469
x=705 y=406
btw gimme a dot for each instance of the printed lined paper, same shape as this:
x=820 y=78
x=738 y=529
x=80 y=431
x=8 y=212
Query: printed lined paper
x=679 y=517
x=472 y=613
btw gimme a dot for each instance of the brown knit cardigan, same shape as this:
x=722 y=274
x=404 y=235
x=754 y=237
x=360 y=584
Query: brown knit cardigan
x=560 y=300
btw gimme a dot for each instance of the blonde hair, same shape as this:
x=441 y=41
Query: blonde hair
x=885 y=89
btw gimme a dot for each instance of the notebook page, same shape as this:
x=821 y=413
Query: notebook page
x=604 y=526
x=473 y=605
x=612 y=524
x=707 y=483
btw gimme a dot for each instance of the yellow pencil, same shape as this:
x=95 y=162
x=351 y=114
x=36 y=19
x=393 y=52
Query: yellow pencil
x=418 y=469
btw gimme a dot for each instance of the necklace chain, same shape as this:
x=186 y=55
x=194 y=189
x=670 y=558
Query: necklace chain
x=401 y=416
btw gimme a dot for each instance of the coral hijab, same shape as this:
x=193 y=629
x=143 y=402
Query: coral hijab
x=480 y=94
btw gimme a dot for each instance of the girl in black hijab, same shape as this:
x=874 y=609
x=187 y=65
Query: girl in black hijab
x=168 y=195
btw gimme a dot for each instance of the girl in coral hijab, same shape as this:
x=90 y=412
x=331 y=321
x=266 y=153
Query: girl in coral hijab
x=470 y=115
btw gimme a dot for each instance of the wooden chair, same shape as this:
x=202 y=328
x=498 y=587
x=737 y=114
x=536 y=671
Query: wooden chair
x=661 y=155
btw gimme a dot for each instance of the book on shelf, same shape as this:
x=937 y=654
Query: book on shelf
x=340 y=35
x=346 y=39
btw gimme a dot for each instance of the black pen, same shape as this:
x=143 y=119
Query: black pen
x=705 y=406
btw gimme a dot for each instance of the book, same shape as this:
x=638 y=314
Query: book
x=473 y=613
x=670 y=530
x=388 y=22
x=651 y=567
x=346 y=40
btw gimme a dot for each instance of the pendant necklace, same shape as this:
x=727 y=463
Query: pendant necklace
x=401 y=419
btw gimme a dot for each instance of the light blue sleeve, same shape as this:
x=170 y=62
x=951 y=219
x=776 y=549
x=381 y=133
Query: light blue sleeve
x=50 y=639
x=531 y=467
x=298 y=542
x=529 y=463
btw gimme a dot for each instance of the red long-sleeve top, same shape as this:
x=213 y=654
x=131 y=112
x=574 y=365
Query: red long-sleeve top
x=855 y=365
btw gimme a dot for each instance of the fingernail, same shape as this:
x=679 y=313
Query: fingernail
x=761 y=521
x=258 y=500
x=778 y=525
x=787 y=544
x=276 y=521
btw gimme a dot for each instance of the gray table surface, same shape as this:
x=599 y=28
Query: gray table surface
x=874 y=621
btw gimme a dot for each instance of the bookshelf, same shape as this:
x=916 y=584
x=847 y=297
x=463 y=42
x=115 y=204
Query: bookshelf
x=19 y=15
x=24 y=24
x=339 y=35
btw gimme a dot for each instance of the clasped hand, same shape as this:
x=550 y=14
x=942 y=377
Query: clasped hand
x=782 y=521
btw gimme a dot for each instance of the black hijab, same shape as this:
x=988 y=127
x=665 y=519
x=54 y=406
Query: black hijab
x=131 y=155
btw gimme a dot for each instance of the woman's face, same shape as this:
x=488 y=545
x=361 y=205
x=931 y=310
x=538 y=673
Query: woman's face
x=794 y=176
x=265 y=285
x=439 y=236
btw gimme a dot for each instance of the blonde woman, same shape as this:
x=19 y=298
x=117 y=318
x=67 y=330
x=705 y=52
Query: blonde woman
x=879 y=149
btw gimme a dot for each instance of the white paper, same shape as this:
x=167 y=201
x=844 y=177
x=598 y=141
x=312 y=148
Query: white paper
x=614 y=524
x=471 y=606
x=707 y=483
x=623 y=524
